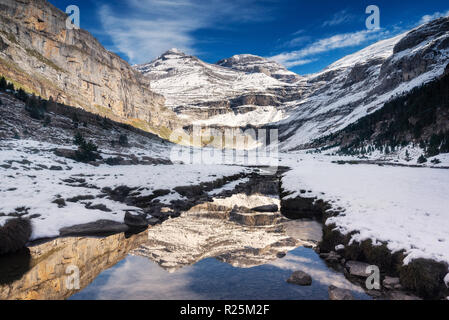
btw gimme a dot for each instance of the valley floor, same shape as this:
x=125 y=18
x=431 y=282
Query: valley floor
x=405 y=207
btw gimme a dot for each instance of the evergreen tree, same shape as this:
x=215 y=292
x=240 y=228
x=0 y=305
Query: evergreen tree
x=3 y=84
x=79 y=139
x=34 y=108
x=422 y=159
x=123 y=140
x=87 y=151
x=22 y=95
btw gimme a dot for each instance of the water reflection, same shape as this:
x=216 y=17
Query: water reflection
x=40 y=271
x=139 y=278
x=216 y=250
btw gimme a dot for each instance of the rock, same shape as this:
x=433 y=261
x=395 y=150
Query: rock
x=60 y=202
x=399 y=295
x=358 y=269
x=153 y=221
x=255 y=219
x=300 y=278
x=56 y=168
x=65 y=153
x=425 y=277
x=97 y=228
x=339 y=294
x=87 y=75
x=266 y=208
x=391 y=283
x=14 y=234
x=331 y=257
x=135 y=220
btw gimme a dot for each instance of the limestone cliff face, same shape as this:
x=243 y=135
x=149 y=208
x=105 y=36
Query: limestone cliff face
x=39 y=53
x=46 y=277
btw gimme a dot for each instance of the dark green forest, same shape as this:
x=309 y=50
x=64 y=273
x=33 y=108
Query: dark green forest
x=420 y=118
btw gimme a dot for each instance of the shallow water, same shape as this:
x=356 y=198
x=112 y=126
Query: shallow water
x=216 y=250
x=139 y=278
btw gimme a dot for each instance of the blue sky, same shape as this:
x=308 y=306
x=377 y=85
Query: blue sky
x=306 y=36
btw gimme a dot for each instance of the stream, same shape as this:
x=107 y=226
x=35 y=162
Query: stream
x=216 y=250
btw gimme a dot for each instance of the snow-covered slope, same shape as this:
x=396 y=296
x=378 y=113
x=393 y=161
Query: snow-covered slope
x=255 y=64
x=197 y=90
x=362 y=82
x=250 y=90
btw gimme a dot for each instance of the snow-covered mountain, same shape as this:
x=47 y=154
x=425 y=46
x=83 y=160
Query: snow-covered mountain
x=198 y=91
x=249 y=90
x=255 y=64
x=361 y=83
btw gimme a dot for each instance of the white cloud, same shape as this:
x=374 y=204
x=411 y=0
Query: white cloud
x=340 y=17
x=146 y=28
x=429 y=17
x=304 y=55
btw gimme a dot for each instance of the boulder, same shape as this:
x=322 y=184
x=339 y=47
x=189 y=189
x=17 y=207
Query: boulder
x=300 y=278
x=391 y=283
x=339 y=294
x=357 y=269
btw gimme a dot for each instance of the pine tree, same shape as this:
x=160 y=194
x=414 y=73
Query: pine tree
x=422 y=159
x=3 y=84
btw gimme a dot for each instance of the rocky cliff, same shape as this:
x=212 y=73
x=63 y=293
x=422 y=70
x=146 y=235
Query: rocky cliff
x=249 y=90
x=38 y=53
x=46 y=267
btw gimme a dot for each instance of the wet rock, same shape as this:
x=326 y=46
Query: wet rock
x=339 y=294
x=281 y=255
x=14 y=234
x=266 y=208
x=303 y=208
x=331 y=257
x=357 y=269
x=399 y=295
x=97 y=228
x=300 y=278
x=391 y=283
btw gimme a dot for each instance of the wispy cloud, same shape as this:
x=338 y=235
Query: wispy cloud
x=150 y=27
x=430 y=17
x=306 y=54
x=340 y=17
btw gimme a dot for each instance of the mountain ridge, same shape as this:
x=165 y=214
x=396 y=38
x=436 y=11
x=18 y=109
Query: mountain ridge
x=39 y=54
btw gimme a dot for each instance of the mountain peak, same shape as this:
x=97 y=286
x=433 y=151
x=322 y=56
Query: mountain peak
x=174 y=50
x=254 y=64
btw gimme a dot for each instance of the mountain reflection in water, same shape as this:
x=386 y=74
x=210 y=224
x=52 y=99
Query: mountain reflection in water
x=216 y=250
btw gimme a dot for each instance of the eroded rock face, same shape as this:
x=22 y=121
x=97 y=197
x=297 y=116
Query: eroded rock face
x=38 y=52
x=45 y=276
